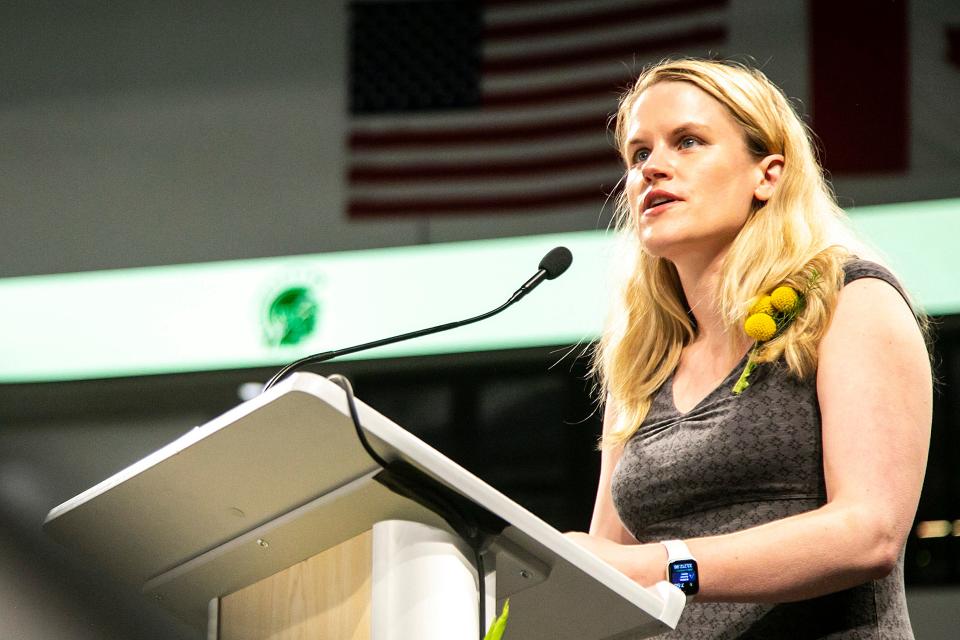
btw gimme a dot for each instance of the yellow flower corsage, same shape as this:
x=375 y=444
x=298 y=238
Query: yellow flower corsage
x=768 y=316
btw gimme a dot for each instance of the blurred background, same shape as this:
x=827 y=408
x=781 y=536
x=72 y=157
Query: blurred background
x=229 y=136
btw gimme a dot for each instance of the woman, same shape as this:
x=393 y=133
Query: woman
x=794 y=494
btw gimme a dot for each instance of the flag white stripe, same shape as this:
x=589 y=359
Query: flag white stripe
x=638 y=30
x=508 y=14
x=498 y=186
x=480 y=118
x=613 y=71
x=463 y=154
x=600 y=210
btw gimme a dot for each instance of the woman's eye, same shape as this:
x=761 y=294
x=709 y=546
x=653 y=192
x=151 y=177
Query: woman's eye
x=688 y=141
x=640 y=155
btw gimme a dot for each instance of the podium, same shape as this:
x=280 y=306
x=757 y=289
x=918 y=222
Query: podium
x=272 y=520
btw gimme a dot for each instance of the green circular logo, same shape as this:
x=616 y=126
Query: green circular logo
x=291 y=317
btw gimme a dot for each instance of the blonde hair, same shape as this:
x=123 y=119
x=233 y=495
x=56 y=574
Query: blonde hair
x=798 y=237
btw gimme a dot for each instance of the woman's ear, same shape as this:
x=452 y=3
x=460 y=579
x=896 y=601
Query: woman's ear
x=770 y=169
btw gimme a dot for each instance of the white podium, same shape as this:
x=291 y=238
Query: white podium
x=272 y=519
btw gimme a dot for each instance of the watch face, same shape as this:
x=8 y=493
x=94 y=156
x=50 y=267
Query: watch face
x=684 y=574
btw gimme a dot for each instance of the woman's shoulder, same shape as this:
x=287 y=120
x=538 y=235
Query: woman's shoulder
x=873 y=303
x=858 y=269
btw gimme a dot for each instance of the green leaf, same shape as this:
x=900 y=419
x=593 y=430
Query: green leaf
x=500 y=624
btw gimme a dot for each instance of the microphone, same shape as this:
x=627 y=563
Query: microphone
x=551 y=266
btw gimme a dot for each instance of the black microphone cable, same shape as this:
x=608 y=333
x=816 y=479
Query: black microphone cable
x=342 y=382
x=472 y=535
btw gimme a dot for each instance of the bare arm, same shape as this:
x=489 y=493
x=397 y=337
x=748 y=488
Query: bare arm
x=874 y=387
x=605 y=522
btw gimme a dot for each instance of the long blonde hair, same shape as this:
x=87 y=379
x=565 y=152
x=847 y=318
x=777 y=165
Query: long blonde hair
x=799 y=237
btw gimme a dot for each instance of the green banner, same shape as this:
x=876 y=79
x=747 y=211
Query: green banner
x=265 y=312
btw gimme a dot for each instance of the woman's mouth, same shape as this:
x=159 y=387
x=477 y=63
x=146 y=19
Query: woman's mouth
x=658 y=209
x=656 y=202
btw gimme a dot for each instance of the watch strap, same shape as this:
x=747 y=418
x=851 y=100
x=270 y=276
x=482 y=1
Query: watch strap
x=677 y=550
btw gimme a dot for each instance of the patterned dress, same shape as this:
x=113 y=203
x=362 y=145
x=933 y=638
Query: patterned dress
x=734 y=462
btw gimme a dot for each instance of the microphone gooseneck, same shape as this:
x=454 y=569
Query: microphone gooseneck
x=551 y=266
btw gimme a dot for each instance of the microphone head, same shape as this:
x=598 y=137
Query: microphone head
x=556 y=262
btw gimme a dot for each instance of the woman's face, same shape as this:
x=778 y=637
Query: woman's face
x=690 y=179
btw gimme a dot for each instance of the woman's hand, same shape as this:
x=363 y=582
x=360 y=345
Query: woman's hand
x=642 y=563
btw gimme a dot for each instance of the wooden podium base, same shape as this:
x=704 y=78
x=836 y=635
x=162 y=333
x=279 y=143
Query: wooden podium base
x=326 y=596
x=399 y=580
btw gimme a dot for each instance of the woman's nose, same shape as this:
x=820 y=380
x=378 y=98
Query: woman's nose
x=657 y=166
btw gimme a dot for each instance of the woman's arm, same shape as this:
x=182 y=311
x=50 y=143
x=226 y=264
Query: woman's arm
x=605 y=522
x=875 y=395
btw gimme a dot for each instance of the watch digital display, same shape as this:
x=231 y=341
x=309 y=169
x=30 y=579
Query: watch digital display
x=683 y=574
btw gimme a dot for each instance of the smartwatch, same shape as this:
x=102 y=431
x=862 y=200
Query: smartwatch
x=682 y=571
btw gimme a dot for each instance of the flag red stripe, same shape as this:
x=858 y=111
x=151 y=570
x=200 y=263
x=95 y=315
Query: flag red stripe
x=953 y=45
x=514 y=3
x=517 y=3
x=610 y=17
x=860 y=74
x=373 y=173
x=549 y=95
x=488 y=134
x=508 y=64
x=479 y=204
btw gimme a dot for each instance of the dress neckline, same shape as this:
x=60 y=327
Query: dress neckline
x=737 y=368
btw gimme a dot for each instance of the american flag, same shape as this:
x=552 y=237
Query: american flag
x=501 y=106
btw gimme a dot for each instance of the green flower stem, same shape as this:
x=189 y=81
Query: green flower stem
x=747 y=370
x=500 y=624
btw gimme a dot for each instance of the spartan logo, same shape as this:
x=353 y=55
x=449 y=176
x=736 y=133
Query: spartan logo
x=291 y=317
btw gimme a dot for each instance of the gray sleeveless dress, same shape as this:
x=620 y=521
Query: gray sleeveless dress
x=734 y=462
